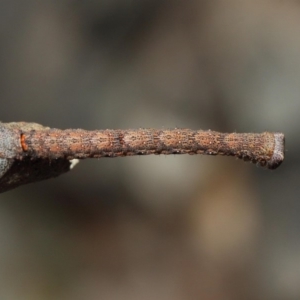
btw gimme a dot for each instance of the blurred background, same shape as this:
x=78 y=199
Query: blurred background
x=155 y=227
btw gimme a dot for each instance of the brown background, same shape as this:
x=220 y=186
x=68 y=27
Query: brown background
x=156 y=227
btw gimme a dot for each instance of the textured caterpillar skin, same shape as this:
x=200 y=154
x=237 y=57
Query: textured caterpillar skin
x=265 y=149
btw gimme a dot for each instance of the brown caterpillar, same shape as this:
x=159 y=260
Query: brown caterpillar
x=265 y=149
x=30 y=152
